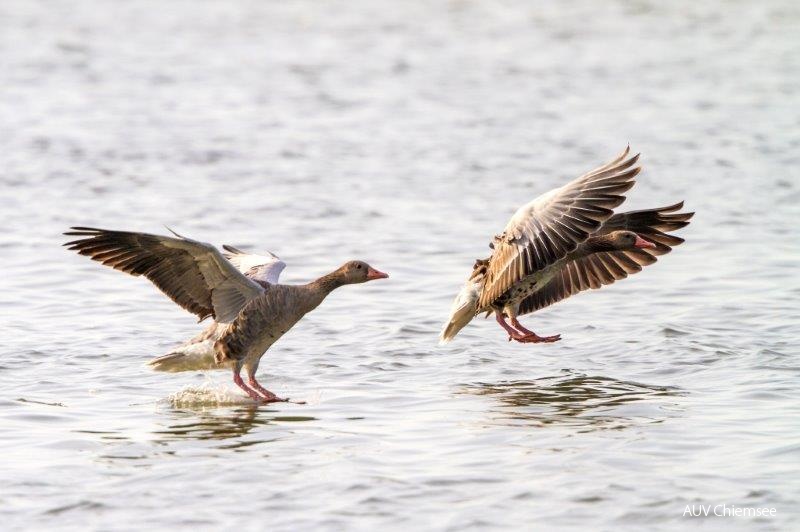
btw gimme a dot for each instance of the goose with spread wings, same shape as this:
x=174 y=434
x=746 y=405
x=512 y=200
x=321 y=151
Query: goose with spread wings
x=563 y=242
x=238 y=290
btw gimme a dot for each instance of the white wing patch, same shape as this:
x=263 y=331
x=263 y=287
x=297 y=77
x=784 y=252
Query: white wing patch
x=263 y=268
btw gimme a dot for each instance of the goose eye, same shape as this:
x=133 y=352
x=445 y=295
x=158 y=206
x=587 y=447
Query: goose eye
x=358 y=266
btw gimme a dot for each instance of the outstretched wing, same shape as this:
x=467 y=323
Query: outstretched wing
x=260 y=268
x=551 y=226
x=599 y=269
x=193 y=274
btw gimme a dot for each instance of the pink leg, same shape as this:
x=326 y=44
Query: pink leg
x=530 y=334
x=237 y=379
x=523 y=335
x=269 y=397
x=509 y=329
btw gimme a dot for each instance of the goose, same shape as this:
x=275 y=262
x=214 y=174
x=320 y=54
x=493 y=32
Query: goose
x=565 y=241
x=238 y=290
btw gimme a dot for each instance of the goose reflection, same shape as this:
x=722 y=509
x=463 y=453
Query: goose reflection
x=223 y=424
x=581 y=401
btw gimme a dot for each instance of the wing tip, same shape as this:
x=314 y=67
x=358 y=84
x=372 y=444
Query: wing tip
x=79 y=230
x=233 y=250
x=89 y=233
x=174 y=233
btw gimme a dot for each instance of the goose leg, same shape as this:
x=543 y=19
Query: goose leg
x=523 y=335
x=513 y=334
x=532 y=336
x=237 y=379
x=502 y=321
x=269 y=397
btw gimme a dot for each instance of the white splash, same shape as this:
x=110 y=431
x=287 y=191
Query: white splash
x=209 y=393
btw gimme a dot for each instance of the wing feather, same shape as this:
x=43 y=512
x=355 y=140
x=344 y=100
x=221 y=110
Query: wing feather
x=193 y=274
x=260 y=268
x=604 y=268
x=550 y=227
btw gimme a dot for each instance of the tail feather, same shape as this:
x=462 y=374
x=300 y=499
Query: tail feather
x=463 y=310
x=450 y=331
x=168 y=362
x=191 y=357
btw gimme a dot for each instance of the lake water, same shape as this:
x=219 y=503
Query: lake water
x=404 y=134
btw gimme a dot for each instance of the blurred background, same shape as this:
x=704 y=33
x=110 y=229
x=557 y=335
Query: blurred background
x=404 y=134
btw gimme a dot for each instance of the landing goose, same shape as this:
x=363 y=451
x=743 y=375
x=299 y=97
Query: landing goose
x=563 y=242
x=240 y=291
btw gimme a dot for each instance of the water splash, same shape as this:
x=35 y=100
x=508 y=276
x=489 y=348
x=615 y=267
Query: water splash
x=207 y=394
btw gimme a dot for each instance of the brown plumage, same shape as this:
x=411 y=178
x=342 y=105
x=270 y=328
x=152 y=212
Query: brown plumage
x=593 y=269
x=193 y=274
x=251 y=312
x=266 y=318
x=548 y=228
x=563 y=242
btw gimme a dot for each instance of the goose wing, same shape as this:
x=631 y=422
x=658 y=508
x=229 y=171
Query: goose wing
x=551 y=226
x=599 y=269
x=260 y=268
x=193 y=274
x=651 y=224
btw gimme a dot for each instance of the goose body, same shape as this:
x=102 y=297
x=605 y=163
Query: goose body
x=198 y=353
x=251 y=310
x=279 y=310
x=563 y=242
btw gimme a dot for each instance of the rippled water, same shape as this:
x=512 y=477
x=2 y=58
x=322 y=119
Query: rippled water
x=404 y=134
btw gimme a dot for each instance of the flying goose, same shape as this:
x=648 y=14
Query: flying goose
x=563 y=242
x=240 y=291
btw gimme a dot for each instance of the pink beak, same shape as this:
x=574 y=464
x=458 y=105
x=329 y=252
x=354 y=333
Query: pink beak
x=373 y=274
x=642 y=243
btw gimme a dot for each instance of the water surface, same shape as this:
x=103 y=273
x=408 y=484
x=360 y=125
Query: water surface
x=404 y=134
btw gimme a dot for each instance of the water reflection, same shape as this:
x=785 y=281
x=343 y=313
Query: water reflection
x=578 y=400
x=221 y=424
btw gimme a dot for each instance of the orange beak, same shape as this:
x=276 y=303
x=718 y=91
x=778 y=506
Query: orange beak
x=642 y=243
x=373 y=274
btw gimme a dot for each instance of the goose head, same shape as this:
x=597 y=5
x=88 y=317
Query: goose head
x=614 y=241
x=627 y=240
x=357 y=271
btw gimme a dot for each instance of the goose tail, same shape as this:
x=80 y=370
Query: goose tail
x=463 y=310
x=192 y=357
